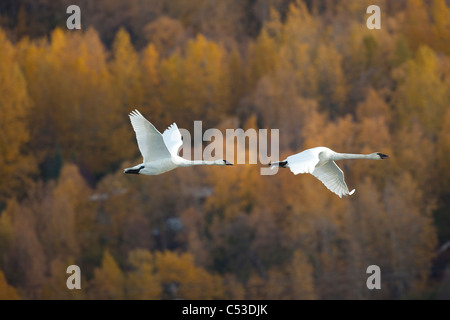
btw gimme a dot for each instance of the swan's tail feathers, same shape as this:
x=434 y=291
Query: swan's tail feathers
x=281 y=164
x=351 y=192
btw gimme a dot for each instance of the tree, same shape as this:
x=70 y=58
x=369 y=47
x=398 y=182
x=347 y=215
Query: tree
x=196 y=85
x=55 y=287
x=151 y=85
x=441 y=26
x=301 y=272
x=57 y=221
x=423 y=170
x=263 y=59
x=165 y=34
x=68 y=118
x=422 y=92
x=180 y=278
x=373 y=107
x=126 y=71
x=16 y=163
x=277 y=104
x=297 y=40
x=412 y=248
x=206 y=80
x=331 y=81
x=24 y=261
x=7 y=292
x=292 y=281
x=237 y=78
x=142 y=282
x=6 y=232
x=417 y=27
x=443 y=152
x=108 y=281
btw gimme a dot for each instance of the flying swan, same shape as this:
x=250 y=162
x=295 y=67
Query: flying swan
x=160 y=151
x=320 y=162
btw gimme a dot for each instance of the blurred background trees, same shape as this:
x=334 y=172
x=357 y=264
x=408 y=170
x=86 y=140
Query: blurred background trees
x=309 y=68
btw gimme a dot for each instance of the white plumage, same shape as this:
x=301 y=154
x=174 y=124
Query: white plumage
x=160 y=151
x=320 y=162
x=172 y=138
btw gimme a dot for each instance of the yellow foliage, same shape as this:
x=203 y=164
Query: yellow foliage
x=263 y=58
x=16 y=163
x=7 y=292
x=126 y=71
x=143 y=281
x=183 y=279
x=108 y=282
x=417 y=26
x=331 y=80
x=233 y=289
x=55 y=287
x=150 y=62
x=292 y=282
x=196 y=85
x=373 y=106
x=164 y=33
x=423 y=94
x=441 y=27
x=406 y=159
x=320 y=81
x=300 y=273
x=443 y=154
x=24 y=261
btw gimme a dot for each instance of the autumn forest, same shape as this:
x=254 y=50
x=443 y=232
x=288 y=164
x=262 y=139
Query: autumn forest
x=311 y=69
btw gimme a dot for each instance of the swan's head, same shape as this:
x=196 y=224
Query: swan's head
x=380 y=156
x=222 y=162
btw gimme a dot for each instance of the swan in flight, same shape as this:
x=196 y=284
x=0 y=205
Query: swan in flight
x=160 y=151
x=320 y=162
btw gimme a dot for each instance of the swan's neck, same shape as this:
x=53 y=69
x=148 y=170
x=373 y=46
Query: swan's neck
x=202 y=162
x=343 y=156
x=187 y=163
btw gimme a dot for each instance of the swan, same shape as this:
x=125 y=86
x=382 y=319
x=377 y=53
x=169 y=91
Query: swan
x=160 y=151
x=320 y=162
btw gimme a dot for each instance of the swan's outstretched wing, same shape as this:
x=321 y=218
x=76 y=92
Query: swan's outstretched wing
x=303 y=162
x=333 y=178
x=172 y=139
x=149 y=139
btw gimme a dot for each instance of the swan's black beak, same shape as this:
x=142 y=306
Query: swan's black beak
x=383 y=156
x=133 y=170
x=227 y=163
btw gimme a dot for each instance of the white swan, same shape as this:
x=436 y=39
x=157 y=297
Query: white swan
x=320 y=163
x=160 y=151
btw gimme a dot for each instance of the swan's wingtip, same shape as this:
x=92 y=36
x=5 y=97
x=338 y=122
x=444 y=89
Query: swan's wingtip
x=351 y=192
x=135 y=113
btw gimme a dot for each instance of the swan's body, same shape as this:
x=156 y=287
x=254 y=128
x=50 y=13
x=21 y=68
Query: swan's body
x=160 y=151
x=320 y=162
